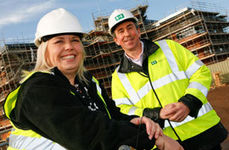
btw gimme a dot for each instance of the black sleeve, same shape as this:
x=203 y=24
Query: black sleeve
x=51 y=111
x=154 y=114
x=193 y=103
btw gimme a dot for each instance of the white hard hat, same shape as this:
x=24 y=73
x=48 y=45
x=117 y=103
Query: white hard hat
x=118 y=16
x=56 y=22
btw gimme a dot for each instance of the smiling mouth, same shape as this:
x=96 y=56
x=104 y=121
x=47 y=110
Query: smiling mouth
x=68 y=57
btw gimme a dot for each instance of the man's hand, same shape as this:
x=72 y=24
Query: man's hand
x=175 y=112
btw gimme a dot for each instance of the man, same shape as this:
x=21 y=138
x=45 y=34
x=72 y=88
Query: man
x=166 y=82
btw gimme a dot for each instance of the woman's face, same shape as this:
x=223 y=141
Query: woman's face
x=65 y=52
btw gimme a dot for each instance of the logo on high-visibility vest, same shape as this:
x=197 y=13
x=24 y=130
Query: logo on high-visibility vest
x=118 y=17
x=154 y=62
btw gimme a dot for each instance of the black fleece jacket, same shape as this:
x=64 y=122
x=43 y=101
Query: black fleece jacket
x=76 y=121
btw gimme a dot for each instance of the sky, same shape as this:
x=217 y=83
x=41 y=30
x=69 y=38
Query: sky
x=19 y=18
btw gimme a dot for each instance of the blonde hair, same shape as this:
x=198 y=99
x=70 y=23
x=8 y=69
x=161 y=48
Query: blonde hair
x=42 y=65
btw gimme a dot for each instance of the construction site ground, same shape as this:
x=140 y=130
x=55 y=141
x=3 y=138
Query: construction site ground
x=219 y=98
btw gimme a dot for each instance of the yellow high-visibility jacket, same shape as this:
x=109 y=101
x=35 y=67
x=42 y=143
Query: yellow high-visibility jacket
x=173 y=72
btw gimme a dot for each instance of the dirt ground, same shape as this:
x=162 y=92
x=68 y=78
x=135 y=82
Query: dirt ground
x=219 y=99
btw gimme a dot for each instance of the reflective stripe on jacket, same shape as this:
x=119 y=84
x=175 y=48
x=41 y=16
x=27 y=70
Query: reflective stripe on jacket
x=174 y=72
x=28 y=139
x=99 y=92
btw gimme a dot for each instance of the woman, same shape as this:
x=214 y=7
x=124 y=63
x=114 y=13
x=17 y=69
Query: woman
x=60 y=101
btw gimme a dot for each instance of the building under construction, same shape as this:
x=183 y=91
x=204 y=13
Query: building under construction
x=203 y=32
x=13 y=59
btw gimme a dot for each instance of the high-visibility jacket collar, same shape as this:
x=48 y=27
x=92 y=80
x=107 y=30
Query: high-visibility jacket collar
x=127 y=66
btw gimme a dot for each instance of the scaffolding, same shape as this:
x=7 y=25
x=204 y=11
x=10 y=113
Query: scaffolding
x=103 y=55
x=204 y=32
x=13 y=59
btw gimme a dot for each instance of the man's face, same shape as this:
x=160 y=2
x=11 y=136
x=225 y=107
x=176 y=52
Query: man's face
x=127 y=36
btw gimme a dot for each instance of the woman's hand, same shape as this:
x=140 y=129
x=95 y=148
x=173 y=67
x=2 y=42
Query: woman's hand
x=166 y=143
x=153 y=129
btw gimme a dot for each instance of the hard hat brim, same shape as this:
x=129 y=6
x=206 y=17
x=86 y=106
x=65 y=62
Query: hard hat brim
x=115 y=26
x=48 y=37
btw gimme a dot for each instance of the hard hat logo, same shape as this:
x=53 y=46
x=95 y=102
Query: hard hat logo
x=121 y=16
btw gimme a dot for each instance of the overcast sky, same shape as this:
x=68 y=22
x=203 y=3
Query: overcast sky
x=18 y=18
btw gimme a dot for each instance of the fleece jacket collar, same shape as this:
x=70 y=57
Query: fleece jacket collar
x=127 y=65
